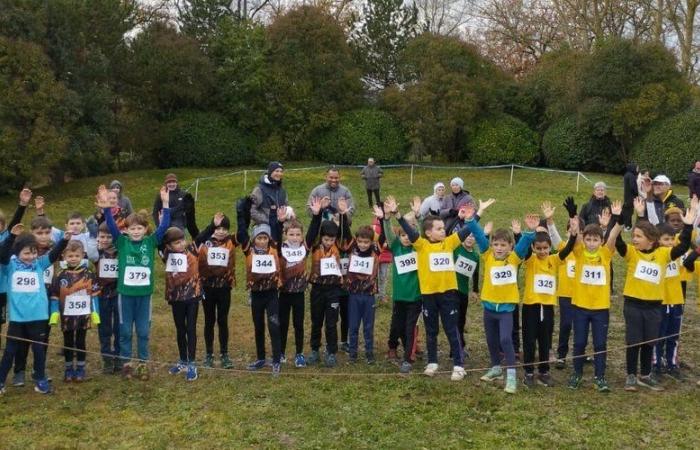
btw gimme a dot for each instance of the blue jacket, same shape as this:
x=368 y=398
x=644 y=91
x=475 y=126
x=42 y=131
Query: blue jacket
x=26 y=295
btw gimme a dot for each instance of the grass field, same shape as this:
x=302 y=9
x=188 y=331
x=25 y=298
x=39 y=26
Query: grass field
x=352 y=406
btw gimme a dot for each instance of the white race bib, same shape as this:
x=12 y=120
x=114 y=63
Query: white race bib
x=48 y=275
x=465 y=266
x=441 y=262
x=361 y=265
x=648 y=271
x=503 y=275
x=672 y=269
x=593 y=275
x=109 y=268
x=137 y=276
x=24 y=281
x=406 y=263
x=329 y=266
x=344 y=265
x=77 y=304
x=544 y=284
x=293 y=255
x=217 y=256
x=263 y=264
x=571 y=269
x=176 y=263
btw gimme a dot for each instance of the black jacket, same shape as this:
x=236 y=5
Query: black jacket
x=591 y=210
x=177 y=209
x=693 y=184
x=629 y=182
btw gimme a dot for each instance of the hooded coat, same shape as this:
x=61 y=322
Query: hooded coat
x=267 y=196
x=124 y=202
x=629 y=183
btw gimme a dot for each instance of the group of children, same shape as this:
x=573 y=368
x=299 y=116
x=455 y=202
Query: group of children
x=105 y=278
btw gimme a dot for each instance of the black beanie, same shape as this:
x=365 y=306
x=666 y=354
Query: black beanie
x=274 y=165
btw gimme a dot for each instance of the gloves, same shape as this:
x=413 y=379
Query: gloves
x=95 y=318
x=570 y=206
x=53 y=320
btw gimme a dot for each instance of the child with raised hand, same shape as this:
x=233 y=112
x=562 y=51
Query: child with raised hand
x=644 y=290
x=541 y=268
x=262 y=268
x=136 y=256
x=74 y=301
x=183 y=291
x=467 y=267
x=217 y=268
x=499 y=292
x=566 y=276
x=326 y=278
x=407 y=301
x=107 y=267
x=27 y=300
x=438 y=286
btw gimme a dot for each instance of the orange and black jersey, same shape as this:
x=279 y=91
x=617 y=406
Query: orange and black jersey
x=293 y=276
x=182 y=281
x=363 y=267
x=325 y=262
x=217 y=262
x=262 y=268
x=107 y=268
x=74 y=290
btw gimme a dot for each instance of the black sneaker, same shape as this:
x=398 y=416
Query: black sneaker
x=560 y=364
x=344 y=347
x=601 y=385
x=370 y=358
x=675 y=373
x=529 y=380
x=650 y=382
x=545 y=379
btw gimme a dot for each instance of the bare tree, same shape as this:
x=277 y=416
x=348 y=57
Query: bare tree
x=682 y=15
x=447 y=17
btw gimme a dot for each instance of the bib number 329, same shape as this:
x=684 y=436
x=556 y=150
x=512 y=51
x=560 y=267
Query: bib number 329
x=503 y=275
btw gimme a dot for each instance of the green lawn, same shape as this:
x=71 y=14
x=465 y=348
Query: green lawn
x=351 y=406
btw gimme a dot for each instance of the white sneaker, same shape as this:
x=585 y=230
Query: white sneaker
x=457 y=373
x=430 y=369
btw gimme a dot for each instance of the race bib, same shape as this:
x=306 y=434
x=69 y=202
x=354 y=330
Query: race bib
x=672 y=269
x=176 y=263
x=441 y=262
x=263 y=264
x=137 y=276
x=465 y=266
x=502 y=275
x=593 y=275
x=25 y=282
x=648 y=271
x=294 y=255
x=48 y=275
x=109 y=268
x=77 y=304
x=361 y=265
x=571 y=269
x=544 y=284
x=344 y=265
x=217 y=256
x=406 y=263
x=329 y=266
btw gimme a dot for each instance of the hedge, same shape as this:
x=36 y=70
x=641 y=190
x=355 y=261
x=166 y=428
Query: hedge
x=502 y=139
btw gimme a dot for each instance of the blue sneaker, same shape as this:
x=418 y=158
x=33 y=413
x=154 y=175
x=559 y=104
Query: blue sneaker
x=192 y=372
x=299 y=360
x=257 y=364
x=283 y=358
x=314 y=357
x=42 y=386
x=331 y=361
x=178 y=368
x=276 y=367
x=79 y=374
x=69 y=375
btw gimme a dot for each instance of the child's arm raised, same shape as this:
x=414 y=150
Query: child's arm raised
x=532 y=221
x=25 y=196
x=392 y=207
x=688 y=219
x=475 y=228
x=102 y=202
x=343 y=212
x=573 y=236
x=165 y=219
x=6 y=246
x=206 y=233
x=315 y=225
x=56 y=251
x=689 y=262
x=613 y=241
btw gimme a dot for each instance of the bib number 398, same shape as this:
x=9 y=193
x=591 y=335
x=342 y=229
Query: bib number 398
x=406 y=263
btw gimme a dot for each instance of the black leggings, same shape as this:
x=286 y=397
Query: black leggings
x=344 y=317
x=216 y=304
x=185 y=317
x=263 y=302
x=292 y=303
x=74 y=339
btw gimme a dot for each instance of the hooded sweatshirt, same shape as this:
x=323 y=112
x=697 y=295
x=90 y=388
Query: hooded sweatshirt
x=124 y=202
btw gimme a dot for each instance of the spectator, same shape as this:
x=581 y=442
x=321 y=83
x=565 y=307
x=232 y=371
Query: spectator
x=433 y=204
x=453 y=202
x=268 y=196
x=598 y=202
x=182 y=213
x=123 y=200
x=329 y=192
x=660 y=197
x=631 y=191
x=371 y=173
x=643 y=177
x=694 y=181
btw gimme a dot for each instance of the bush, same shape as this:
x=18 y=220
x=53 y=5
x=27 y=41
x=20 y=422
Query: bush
x=671 y=145
x=361 y=134
x=568 y=144
x=204 y=139
x=502 y=139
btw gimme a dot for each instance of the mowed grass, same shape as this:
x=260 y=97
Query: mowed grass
x=351 y=406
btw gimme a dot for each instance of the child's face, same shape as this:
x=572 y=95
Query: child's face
x=667 y=240
x=437 y=232
x=72 y=258
x=74 y=226
x=676 y=221
x=640 y=241
x=501 y=248
x=262 y=240
x=136 y=232
x=28 y=255
x=327 y=241
x=294 y=236
x=403 y=238
x=592 y=242
x=104 y=240
x=177 y=246
x=42 y=236
x=469 y=242
x=113 y=199
x=541 y=249
x=220 y=233
x=363 y=243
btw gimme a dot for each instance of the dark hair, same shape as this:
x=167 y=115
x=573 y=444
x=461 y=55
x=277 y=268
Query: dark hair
x=74 y=246
x=225 y=223
x=40 y=223
x=649 y=231
x=329 y=228
x=593 y=229
x=429 y=221
x=665 y=229
x=23 y=241
x=332 y=169
x=74 y=215
x=173 y=234
x=542 y=237
x=104 y=228
x=503 y=234
x=365 y=232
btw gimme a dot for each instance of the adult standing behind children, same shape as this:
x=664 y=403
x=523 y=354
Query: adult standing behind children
x=453 y=202
x=371 y=173
x=268 y=196
x=598 y=202
x=694 y=180
x=123 y=200
x=433 y=204
x=631 y=191
x=329 y=193
x=660 y=197
x=181 y=207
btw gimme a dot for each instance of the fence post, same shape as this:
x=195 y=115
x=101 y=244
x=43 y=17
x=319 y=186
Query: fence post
x=196 y=189
x=411 y=174
x=512 y=167
x=245 y=181
x=578 y=179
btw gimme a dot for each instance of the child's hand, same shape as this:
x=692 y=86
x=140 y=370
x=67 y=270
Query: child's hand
x=378 y=213
x=488 y=228
x=574 y=226
x=647 y=187
x=390 y=204
x=315 y=206
x=25 y=195
x=532 y=221
x=548 y=210
x=325 y=201
x=570 y=206
x=692 y=212
x=67 y=236
x=484 y=205
x=616 y=208
x=640 y=206
x=218 y=218
x=39 y=204
x=17 y=229
x=604 y=218
x=165 y=197
x=474 y=297
x=415 y=205
x=342 y=205
x=102 y=199
x=282 y=213
x=515 y=226
x=466 y=212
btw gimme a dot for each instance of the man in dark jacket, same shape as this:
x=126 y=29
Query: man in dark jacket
x=660 y=198
x=371 y=173
x=182 y=214
x=631 y=191
x=595 y=206
x=694 y=181
x=268 y=196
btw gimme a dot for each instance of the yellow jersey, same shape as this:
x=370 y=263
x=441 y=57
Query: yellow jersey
x=645 y=273
x=436 y=269
x=566 y=274
x=673 y=291
x=592 y=282
x=541 y=280
x=500 y=283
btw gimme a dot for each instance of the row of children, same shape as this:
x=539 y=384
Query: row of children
x=430 y=275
